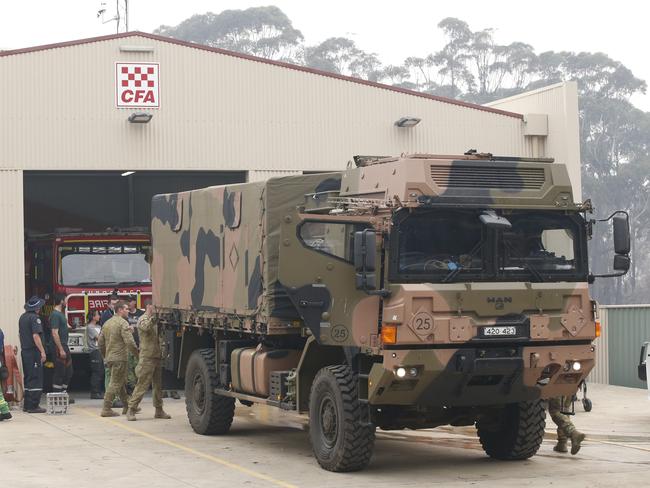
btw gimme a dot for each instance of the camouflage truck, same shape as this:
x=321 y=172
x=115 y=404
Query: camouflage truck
x=407 y=292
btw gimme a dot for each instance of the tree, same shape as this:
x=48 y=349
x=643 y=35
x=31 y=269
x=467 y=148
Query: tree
x=452 y=58
x=341 y=55
x=261 y=31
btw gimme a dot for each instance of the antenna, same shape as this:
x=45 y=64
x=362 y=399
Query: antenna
x=121 y=12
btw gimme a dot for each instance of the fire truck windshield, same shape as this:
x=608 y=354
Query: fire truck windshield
x=103 y=264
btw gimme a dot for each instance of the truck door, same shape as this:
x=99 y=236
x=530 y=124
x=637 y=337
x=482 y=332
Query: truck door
x=317 y=269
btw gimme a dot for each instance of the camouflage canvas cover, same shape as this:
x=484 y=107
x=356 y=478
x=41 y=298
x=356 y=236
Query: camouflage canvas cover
x=216 y=249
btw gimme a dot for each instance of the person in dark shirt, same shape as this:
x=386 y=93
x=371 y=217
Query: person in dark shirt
x=134 y=315
x=110 y=309
x=32 y=353
x=63 y=359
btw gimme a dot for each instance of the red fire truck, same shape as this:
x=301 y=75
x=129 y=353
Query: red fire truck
x=87 y=267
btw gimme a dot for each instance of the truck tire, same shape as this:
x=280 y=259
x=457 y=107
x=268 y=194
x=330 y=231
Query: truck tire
x=208 y=413
x=341 y=436
x=516 y=434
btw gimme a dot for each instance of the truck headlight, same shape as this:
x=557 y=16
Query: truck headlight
x=406 y=372
x=576 y=366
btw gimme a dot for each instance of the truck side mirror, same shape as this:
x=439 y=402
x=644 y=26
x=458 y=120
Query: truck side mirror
x=622 y=263
x=365 y=244
x=621 y=225
x=621 y=234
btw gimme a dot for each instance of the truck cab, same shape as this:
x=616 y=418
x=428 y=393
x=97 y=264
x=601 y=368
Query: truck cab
x=87 y=267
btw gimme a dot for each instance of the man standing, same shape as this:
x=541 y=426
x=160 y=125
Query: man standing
x=5 y=414
x=32 y=353
x=149 y=367
x=110 y=308
x=63 y=358
x=565 y=428
x=115 y=341
x=134 y=315
x=106 y=315
x=96 y=361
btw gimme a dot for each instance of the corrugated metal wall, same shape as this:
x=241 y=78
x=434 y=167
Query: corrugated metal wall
x=600 y=373
x=12 y=288
x=218 y=112
x=627 y=328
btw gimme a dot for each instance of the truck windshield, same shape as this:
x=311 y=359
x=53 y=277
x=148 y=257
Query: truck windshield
x=543 y=242
x=440 y=242
x=103 y=264
x=442 y=245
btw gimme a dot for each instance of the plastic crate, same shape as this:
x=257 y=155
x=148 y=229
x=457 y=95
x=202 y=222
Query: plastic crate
x=57 y=403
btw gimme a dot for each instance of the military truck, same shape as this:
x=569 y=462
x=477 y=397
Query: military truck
x=403 y=293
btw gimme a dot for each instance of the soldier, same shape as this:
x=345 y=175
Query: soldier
x=149 y=369
x=32 y=353
x=115 y=341
x=565 y=428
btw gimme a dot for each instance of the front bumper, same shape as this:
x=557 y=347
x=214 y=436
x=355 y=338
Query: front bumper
x=479 y=375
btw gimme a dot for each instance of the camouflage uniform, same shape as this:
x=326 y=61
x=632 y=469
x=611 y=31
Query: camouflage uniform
x=149 y=370
x=115 y=341
x=565 y=428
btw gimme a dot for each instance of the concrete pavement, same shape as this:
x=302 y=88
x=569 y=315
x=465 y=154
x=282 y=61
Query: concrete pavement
x=266 y=447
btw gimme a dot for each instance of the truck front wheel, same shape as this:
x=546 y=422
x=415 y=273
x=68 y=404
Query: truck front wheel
x=207 y=412
x=513 y=432
x=341 y=436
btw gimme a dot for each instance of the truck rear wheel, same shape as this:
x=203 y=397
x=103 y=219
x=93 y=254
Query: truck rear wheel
x=515 y=433
x=207 y=412
x=341 y=436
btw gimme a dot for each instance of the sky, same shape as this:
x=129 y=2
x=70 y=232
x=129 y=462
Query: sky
x=391 y=29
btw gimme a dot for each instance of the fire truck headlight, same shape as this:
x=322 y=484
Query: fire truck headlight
x=577 y=366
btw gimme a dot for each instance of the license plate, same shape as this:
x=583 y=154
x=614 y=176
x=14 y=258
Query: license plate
x=74 y=341
x=499 y=331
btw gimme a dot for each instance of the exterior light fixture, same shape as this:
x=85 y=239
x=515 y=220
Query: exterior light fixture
x=407 y=122
x=140 y=117
x=127 y=173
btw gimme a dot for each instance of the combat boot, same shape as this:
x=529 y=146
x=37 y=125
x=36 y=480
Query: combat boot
x=161 y=414
x=108 y=412
x=125 y=410
x=561 y=446
x=130 y=414
x=576 y=441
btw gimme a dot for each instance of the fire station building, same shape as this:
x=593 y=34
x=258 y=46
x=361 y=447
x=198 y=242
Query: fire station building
x=91 y=129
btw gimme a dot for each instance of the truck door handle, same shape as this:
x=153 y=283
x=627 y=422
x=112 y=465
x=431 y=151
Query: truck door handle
x=308 y=304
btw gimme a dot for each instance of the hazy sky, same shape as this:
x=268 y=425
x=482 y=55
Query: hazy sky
x=392 y=29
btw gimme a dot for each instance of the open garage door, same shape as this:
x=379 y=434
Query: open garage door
x=86 y=236
x=95 y=200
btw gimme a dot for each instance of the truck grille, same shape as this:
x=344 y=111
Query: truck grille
x=499 y=177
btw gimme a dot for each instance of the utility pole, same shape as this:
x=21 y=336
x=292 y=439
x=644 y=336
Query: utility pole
x=120 y=13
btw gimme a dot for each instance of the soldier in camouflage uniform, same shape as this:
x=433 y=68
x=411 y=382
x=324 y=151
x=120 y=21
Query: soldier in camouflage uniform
x=115 y=341
x=565 y=428
x=149 y=370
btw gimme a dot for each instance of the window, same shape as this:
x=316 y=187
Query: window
x=333 y=238
x=543 y=242
x=104 y=264
x=440 y=242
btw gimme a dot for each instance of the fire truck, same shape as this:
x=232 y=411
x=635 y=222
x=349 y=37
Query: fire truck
x=87 y=267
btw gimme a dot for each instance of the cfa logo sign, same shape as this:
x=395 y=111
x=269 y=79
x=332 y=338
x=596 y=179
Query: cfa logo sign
x=137 y=85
